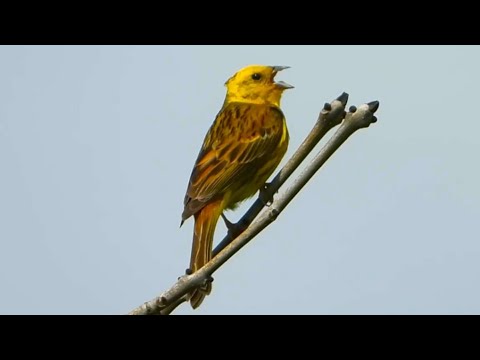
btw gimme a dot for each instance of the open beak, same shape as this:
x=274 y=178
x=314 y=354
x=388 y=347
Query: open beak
x=281 y=84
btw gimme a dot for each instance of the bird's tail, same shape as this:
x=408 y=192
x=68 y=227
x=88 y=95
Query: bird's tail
x=205 y=223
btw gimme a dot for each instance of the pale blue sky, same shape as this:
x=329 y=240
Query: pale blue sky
x=97 y=144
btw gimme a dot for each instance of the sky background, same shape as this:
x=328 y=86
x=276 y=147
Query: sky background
x=97 y=144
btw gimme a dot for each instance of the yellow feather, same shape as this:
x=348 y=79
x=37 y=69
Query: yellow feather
x=244 y=145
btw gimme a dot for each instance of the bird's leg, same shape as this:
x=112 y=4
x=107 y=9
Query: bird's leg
x=233 y=229
x=265 y=196
x=228 y=223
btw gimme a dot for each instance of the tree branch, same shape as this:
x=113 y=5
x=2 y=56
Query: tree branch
x=331 y=115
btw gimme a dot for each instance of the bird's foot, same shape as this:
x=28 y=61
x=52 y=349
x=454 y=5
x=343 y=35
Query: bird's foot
x=233 y=229
x=265 y=196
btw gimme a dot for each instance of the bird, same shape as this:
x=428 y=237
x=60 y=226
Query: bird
x=242 y=148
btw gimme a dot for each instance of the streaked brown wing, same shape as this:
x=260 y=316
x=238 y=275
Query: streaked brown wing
x=240 y=135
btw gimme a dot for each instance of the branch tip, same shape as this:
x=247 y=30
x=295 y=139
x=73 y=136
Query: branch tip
x=373 y=106
x=363 y=116
x=343 y=98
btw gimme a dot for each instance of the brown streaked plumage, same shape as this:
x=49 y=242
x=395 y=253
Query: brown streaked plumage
x=244 y=145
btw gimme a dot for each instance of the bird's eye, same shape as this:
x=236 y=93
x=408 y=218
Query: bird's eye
x=256 y=76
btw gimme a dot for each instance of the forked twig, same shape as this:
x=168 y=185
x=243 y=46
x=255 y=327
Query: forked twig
x=331 y=115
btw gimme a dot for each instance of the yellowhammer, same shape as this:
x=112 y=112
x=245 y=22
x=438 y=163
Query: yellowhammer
x=244 y=145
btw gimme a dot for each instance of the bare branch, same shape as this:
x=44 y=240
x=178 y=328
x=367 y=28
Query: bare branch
x=330 y=116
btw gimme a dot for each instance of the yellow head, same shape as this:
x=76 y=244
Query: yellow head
x=255 y=84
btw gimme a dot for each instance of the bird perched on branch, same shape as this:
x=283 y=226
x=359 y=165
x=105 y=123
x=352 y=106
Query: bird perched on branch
x=242 y=148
